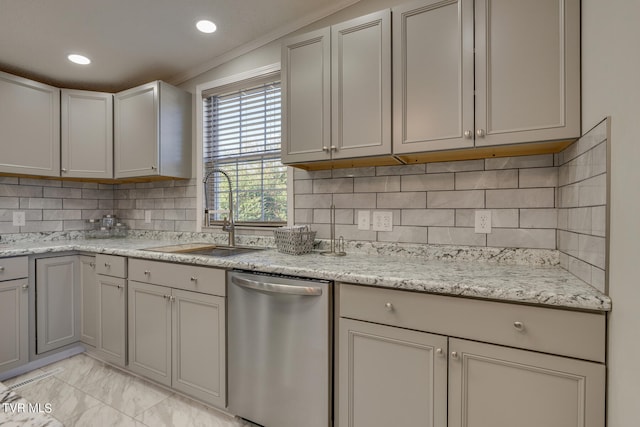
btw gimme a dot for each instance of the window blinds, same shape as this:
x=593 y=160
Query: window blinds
x=242 y=137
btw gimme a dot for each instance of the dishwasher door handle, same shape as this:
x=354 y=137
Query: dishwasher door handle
x=276 y=288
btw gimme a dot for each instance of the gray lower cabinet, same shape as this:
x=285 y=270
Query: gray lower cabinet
x=391 y=376
x=14 y=313
x=88 y=300
x=111 y=308
x=494 y=386
x=413 y=370
x=57 y=302
x=177 y=337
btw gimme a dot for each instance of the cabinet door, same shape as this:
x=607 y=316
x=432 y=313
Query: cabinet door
x=199 y=363
x=433 y=76
x=29 y=127
x=88 y=300
x=14 y=334
x=527 y=70
x=150 y=331
x=391 y=376
x=361 y=86
x=493 y=386
x=57 y=302
x=136 y=127
x=112 y=315
x=87 y=134
x=306 y=97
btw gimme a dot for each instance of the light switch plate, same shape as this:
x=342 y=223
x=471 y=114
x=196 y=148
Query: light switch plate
x=19 y=219
x=364 y=220
x=383 y=221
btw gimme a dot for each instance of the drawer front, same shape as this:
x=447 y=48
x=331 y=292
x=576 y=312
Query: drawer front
x=111 y=265
x=13 y=268
x=563 y=332
x=181 y=276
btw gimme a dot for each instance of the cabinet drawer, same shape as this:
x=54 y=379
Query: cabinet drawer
x=111 y=265
x=182 y=276
x=13 y=268
x=569 y=333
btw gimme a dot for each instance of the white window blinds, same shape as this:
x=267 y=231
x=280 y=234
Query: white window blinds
x=242 y=138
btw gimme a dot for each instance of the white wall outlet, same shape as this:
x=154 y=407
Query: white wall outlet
x=19 y=219
x=383 y=221
x=364 y=220
x=483 y=222
x=147 y=217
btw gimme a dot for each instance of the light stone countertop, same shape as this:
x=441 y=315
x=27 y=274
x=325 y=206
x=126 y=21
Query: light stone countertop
x=486 y=273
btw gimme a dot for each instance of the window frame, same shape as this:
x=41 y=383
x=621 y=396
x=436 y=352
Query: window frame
x=204 y=89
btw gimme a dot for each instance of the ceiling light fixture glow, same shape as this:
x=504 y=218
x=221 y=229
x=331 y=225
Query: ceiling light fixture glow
x=79 y=59
x=206 y=26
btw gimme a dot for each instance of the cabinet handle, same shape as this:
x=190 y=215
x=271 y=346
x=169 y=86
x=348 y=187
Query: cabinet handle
x=166 y=297
x=107 y=265
x=153 y=168
x=325 y=148
x=120 y=286
x=63 y=170
x=334 y=148
x=92 y=264
x=147 y=272
x=25 y=286
x=519 y=326
x=480 y=133
x=439 y=351
x=454 y=354
x=468 y=134
x=172 y=298
x=1 y=268
x=194 y=279
x=388 y=306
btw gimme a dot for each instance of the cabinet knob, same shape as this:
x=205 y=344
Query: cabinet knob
x=25 y=286
x=439 y=351
x=480 y=133
x=1 y=268
x=172 y=298
x=107 y=265
x=194 y=279
x=468 y=134
x=325 y=148
x=388 y=306
x=166 y=297
x=334 y=148
x=63 y=170
x=120 y=286
x=153 y=168
x=147 y=272
x=519 y=326
x=92 y=264
x=454 y=354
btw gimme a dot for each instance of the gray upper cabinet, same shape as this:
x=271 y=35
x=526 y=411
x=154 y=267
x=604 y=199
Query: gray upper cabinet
x=336 y=94
x=361 y=86
x=87 y=134
x=306 y=97
x=152 y=135
x=433 y=76
x=527 y=71
x=29 y=127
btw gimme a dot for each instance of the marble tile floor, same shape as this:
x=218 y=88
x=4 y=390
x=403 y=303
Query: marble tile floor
x=86 y=392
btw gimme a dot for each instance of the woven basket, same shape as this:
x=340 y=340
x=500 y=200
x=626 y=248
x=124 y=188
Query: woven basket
x=294 y=241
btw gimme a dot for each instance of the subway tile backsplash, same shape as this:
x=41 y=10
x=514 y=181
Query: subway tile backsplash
x=542 y=201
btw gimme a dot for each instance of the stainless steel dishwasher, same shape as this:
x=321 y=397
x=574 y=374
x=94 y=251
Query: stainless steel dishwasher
x=279 y=349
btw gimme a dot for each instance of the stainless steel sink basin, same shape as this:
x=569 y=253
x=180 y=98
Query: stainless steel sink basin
x=206 y=249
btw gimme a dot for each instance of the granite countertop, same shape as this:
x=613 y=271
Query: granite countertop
x=18 y=412
x=463 y=273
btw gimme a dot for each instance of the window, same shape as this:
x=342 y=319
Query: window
x=241 y=137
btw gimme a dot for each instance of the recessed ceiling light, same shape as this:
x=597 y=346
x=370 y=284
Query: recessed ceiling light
x=79 y=59
x=206 y=26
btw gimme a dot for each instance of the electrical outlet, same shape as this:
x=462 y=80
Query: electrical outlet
x=383 y=221
x=19 y=219
x=483 y=222
x=147 y=217
x=364 y=220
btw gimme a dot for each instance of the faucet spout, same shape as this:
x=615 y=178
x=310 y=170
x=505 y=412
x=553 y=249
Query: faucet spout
x=229 y=224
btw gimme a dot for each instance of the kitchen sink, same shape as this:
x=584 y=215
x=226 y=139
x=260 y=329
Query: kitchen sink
x=206 y=249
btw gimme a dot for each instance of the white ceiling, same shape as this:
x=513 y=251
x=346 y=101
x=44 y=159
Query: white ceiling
x=135 y=41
